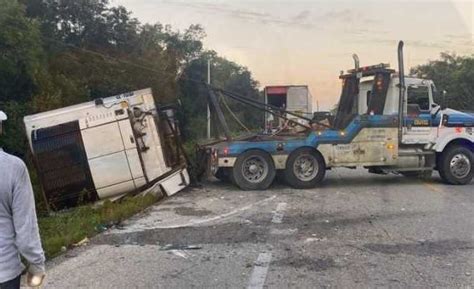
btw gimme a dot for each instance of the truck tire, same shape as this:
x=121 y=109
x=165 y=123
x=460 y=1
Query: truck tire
x=253 y=170
x=455 y=165
x=305 y=168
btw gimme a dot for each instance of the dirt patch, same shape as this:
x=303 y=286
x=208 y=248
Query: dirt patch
x=427 y=248
x=220 y=234
x=312 y=264
x=328 y=225
x=189 y=211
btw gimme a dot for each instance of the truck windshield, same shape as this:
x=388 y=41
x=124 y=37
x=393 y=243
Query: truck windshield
x=419 y=95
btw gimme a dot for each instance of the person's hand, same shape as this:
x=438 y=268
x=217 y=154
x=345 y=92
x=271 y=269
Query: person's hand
x=34 y=280
x=34 y=276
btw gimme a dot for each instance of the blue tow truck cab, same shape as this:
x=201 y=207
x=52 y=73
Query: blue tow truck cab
x=385 y=122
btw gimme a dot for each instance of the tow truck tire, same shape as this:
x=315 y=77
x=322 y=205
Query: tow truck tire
x=455 y=165
x=253 y=170
x=305 y=168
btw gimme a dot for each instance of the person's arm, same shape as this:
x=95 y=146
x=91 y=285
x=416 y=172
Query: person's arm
x=26 y=226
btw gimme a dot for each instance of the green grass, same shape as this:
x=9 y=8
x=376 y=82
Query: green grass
x=64 y=229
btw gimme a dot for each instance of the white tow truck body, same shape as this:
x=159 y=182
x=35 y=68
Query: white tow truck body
x=385 y=122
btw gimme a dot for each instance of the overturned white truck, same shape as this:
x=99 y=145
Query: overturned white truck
x=105 y=149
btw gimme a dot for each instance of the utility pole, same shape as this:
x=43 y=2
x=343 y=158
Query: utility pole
x=208 y=108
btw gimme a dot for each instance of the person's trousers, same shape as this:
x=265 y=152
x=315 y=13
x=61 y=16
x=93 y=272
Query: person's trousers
x=12 y=284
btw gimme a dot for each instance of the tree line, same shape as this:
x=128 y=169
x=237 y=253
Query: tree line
x=453 y=76
x=55 y=53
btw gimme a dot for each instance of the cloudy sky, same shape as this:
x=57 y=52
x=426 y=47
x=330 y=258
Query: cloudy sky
x=309 y=42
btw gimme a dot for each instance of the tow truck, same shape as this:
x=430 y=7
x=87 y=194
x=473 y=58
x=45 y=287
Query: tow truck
x=386 y=122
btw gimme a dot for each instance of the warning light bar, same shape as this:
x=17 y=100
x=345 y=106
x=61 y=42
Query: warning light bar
x=371 y=67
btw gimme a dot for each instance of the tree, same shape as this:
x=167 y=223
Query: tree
x=227 y=75
x=21 y=53
x=21 y=59
x=96 y=50
x=453 y=74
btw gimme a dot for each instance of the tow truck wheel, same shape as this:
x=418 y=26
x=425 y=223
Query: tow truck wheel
x=305 y=168
x=253 y=170
x=455 y=165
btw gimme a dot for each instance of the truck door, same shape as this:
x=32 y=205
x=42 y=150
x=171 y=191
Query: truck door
x=347 y=153
x=373 y=141
x=418 y=121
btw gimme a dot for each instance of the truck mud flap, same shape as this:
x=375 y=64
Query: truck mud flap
x=169 y=183
x=175 y=183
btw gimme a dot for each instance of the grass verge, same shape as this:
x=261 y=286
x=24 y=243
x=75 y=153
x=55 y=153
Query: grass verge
x=64 y=229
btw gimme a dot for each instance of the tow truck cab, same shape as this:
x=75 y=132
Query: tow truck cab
x=369 y=130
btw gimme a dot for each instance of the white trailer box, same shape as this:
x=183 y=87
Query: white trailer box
x=293 y=98
x=105 y=149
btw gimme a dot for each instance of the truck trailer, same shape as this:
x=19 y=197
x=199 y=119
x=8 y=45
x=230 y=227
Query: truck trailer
x=292 y=98
x=386 y=122
x=105 y=149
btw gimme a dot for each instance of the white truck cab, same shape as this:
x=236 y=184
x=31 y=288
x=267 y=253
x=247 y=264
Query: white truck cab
x=105 y=149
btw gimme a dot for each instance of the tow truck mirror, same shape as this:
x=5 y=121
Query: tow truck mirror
x=435 y=109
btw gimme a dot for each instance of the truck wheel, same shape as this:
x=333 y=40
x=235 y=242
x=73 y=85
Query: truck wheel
x=305 y=168
x=455 y=165
x=253 y=170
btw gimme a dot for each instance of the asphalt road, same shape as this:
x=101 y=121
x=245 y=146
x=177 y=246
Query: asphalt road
x=355 y=231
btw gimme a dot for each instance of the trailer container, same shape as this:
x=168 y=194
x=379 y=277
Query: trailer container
x=105 y=149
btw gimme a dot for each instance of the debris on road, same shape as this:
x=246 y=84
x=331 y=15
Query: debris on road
x=83 y=242
x=180 y=253
x=180 y=247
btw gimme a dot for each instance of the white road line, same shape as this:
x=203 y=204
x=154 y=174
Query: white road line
x=260 y=270
x=279 y=213
x=180 y=253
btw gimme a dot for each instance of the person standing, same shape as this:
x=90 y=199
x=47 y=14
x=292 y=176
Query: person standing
x=19 y=234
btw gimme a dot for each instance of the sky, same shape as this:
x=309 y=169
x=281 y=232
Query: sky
x=310 y=42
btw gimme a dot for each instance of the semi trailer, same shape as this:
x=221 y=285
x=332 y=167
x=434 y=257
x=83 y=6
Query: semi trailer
x=105 y=149
x=385 y=122
x=293 y=98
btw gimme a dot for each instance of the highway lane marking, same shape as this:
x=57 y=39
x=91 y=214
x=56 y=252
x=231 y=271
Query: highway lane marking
x=279 y=213
x=260 y=270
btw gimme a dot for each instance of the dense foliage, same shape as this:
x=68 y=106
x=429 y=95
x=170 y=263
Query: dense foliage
x=454 y=75
x=56 y=53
